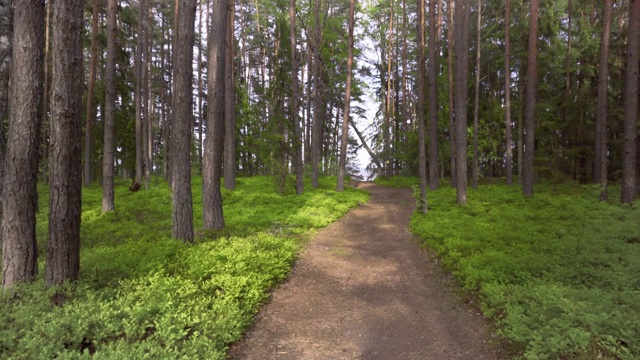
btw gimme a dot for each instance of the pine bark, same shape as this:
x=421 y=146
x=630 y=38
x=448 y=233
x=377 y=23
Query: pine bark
x=316 y=133
x=452 y=112
x=214 y=136
x=137 y=94
x=295 y=104
x=65 y=184
x=347 y=101
x=230 y=104
x=109 y=111
x=530 y=101
x=433 y=98
x=476 y=107
x=6 y=39
x=602 y=102
x=631 y=105
x=420 y=116
x=181 y=130
x=91 y=113
x=507 y=93
x=462 y=14
x=20 y=202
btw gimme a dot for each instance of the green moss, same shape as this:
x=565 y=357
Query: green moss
x=145 y=295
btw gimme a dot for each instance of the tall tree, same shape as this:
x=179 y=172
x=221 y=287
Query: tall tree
x=507 y=92
x=347 y=100
x=138 y=64
x=183 y=119
x=316 y=132
x=631 y=104
x=462 y=14
x=295 y=104
x=93 y=65
x=109 y=144
x=19 y=257
x=450 y=52
x=530 y=101
x=389 y=113
x=422 y=156
x=230 y=104
x=601 y=107
x=214 y=136
x=433 y=97
x=476 y=106
x=65 y=184
x=6 y=32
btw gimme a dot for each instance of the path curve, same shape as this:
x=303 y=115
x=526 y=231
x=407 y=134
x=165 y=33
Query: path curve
x=363 y=289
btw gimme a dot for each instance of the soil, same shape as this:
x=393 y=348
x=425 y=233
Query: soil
x=364 y=289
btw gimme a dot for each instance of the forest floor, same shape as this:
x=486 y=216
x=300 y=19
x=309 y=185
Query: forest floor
x=364 y=289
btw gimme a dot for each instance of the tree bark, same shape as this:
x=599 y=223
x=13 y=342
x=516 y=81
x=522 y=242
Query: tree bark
x=137 y=96
x=214 y=138
x=507 y=92
x=6 y=39
x=181 y=132
x=347 y=101
x=145 y=97
x=601 y=107
x=420 y=117
x=530 y=101
x=93 y=64
x=462 y=14
x=230 y=104
x=476 y=106
x=389 y=109
x=20 y=202
x=451 y=48
x=109 y=111
x=65 y=184
x=316 y=133
x=295 y=104
x=433 y=98
x=631 y=105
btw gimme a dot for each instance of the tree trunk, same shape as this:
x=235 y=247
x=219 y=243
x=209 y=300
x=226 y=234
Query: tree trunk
x=452 y=117
x=316 y=143
x=93 y=64
x=530 y=101
x=6 y=31
x=476 y=106
x=65 y=183
x=109 y=111
x=137 y=96
x=366 y=146
x=20 y=202
x=145 y=97
x=433 y=98
x=422 y=156
x=214 y=144
x=295 y=104
x=347 y=101
x=389 y=109
x=631 y=105
x=230 y=104
x=307 y=133
x=181 y=132
x=507 y=93
x=601 y=107
x=200 y=111
x=462 y=14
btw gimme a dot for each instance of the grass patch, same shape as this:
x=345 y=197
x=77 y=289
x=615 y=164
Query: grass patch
x=559 y=273
x=145 y=295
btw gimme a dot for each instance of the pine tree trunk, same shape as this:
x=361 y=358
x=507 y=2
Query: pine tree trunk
x=65 y=184
x=420 y=116
x=230 y=104
x=214 y=137
x=6 y=31
x=295 y=104
x=93 y=64
x=450 y=51
x=137 y=96
x=347 y=101
x=631 y=105
x=146 y=97
x=433 y=98
x=462 y=14
x=507 y=93
x=20 y=202
x=476 y=106
x=530 y=102
x=601 y=107
x=316 y=143
x=109 y=111
x=389 y=109
x=181 y=131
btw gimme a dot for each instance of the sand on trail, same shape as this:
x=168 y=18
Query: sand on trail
x=364 y=289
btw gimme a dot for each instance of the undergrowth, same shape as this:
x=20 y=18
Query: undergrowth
x=559 y=273
x=145 y=295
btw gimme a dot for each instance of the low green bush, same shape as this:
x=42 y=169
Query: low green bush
x=559 y=273
x=144 y=295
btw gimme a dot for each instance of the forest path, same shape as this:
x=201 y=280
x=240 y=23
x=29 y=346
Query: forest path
x=363 y=289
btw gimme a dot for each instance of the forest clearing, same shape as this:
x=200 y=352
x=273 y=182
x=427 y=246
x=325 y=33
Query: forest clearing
x=163 y=165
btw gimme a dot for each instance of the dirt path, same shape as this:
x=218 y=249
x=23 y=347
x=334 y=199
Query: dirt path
x=363 y=289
